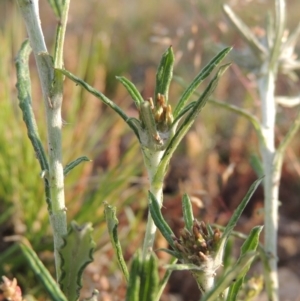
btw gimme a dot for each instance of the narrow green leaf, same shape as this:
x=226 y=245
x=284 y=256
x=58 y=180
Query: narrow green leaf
x=164 y=74
x=42 y=273
x=247 y=35
x=186 y=124
x=159 y=221
x=103 y=98
x=235 y=217
x=56 y=6
x=250 y=244
x=228 y=259
x=279 y=24
x=210 y=230
x=25 y=104
x=252 y=241
x=187 y=211
x=76 y=254
x=132 y=90
x=143 y=279
x=183 y=111
x=183 y=267
x=228 y=278
x=270 y=29
x=112 y=225
x=134 y=283
x=61 y=9
x=239 y=210
x=175 y=254
x=254 y=121
x=164 y=280
x=294 y=128
x=256 y=164
x=204 y=73
x=74 y=163
x=149 y=278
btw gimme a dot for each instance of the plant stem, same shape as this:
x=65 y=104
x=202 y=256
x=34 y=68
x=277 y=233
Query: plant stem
x=152 y=159
x=272 y=161
x=52 y=93
x=266 y=86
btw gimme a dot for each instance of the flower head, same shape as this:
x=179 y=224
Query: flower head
x=10 y=290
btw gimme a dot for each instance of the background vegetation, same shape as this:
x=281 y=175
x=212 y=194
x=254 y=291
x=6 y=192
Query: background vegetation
x=120 y=38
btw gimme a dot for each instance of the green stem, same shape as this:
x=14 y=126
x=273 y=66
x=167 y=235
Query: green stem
x=52 y=92
x=152 y=159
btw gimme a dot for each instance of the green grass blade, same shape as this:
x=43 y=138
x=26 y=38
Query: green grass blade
x=159 y=221
x=187 y=123
x=42 y=273
x=164 y=74
x=102 y=97
x=204 y=73
x=187 y=211
x=112 y=225
x=132 y=90
x=250 y=244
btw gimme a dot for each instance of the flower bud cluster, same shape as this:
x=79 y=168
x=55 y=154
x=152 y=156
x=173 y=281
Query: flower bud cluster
x=162 y=113
x=10 y=290
x=198 y=245
x=156 y=118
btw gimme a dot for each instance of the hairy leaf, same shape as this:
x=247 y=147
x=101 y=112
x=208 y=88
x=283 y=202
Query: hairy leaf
x=76 y=254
